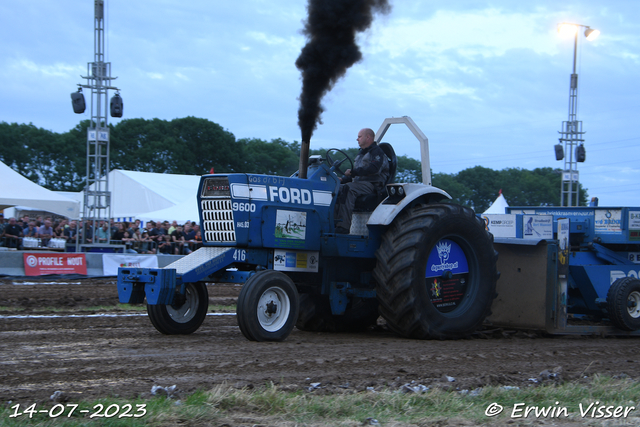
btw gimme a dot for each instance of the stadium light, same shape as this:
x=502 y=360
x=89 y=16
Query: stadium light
x=572 y=134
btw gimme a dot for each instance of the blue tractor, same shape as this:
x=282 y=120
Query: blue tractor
x=426 y=266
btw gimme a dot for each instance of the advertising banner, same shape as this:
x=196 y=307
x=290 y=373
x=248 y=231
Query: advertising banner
x=295 y=261
x=563 y=245
x=608 y=221
x=111 y=262
x=500 y=225
x=40 y=264
x=537 y=227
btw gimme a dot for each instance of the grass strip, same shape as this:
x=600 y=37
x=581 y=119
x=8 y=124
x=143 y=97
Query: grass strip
x=593 y=401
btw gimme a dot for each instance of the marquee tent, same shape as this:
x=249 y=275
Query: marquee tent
x=16 y=190
x=135 y=193
x=498 y=206
x=184 y=211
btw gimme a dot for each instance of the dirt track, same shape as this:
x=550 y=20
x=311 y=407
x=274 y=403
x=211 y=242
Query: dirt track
x=88 y=357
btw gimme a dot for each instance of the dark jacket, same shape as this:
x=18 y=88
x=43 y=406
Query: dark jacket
x=371 y=164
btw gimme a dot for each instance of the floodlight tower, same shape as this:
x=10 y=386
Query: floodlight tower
x=571 y=134
x=97 y=197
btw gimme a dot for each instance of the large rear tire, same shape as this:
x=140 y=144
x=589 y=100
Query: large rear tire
x=623 y=303
x=268 y=306
x=436 y=272
x=185 y=315
x=315 y=315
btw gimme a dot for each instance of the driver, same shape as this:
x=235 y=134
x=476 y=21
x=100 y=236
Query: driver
x=370 y=172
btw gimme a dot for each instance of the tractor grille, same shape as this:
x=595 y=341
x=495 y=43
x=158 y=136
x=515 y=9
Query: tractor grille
x=217 y=216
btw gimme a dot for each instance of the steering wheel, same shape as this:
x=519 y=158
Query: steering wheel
x=335 y=163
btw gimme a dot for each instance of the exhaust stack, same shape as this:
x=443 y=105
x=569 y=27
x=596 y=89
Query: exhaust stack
x=331 y=28
x=304 y=159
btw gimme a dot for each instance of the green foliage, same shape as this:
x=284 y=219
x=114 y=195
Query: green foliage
x=539 y=187
x=47 y=158
x=448 y=182
x=482 y=183
x=409 y=170
x=188 y=146
x=478 y=187
x=277 y=157
x=192 y=146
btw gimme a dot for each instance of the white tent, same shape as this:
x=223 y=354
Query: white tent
x=16 y=190
x=136 y=193
x=498 y=206
x=184 y=211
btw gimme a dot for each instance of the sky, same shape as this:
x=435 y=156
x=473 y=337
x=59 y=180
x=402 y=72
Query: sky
x=486 y=81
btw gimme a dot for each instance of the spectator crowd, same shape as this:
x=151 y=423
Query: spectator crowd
x=159 y=237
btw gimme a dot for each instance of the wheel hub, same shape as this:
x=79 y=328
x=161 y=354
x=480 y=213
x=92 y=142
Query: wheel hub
x=184 y=307
x=178 y=301
x=633 y=304
x=273 y=309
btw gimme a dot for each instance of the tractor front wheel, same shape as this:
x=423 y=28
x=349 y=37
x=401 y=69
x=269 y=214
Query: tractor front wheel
x=268 y=306
x=185 y=315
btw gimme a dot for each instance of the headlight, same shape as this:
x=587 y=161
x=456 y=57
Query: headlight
x=396 y=194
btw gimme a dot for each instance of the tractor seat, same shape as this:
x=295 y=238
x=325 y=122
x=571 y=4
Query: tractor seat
x=368 y=202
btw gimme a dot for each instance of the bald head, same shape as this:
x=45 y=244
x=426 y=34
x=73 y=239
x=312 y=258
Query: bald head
x=365 y=138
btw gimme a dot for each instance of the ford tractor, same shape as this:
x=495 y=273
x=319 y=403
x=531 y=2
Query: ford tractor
x=427 y=266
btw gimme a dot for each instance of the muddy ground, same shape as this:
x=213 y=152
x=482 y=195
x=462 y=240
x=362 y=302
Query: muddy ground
x=89 y=357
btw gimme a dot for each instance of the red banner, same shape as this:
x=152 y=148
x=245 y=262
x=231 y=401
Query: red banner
x=40 y=264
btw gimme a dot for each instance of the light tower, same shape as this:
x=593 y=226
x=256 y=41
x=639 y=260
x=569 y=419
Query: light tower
x=571 y=134
x=97 y=197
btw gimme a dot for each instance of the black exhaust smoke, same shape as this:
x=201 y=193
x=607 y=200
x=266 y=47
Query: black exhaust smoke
x=331 y=29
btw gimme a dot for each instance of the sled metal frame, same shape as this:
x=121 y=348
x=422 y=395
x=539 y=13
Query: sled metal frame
x=532 y=294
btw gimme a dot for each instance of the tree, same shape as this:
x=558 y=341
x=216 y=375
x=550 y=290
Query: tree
x=459 y=193
x=277 y=157
x=482 y=183
x=478 y=187
x=539 y=187
x=409 y=170
x=207 y=145
x=15 y=141
x=189 y=146
x=46 y=158
x=193 y=146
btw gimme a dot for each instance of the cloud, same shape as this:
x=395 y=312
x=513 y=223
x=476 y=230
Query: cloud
x=20 y=67
x=266 y=38
x=486 y=33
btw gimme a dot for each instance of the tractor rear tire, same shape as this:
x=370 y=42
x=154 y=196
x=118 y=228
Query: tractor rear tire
x=623 y=303
x=420 y=298
x=315 y=315
x=185 y=316
x=268 y=306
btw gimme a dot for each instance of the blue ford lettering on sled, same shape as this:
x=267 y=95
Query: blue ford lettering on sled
x=446 y=256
